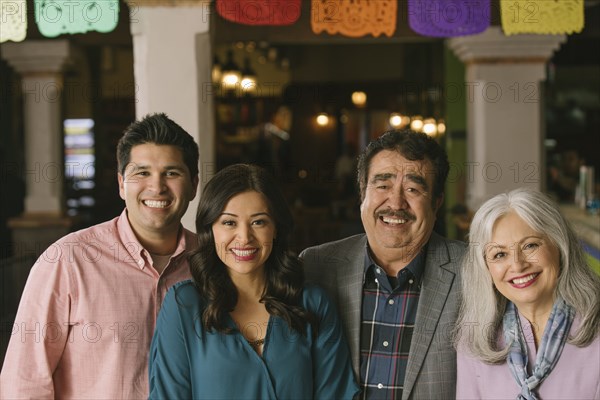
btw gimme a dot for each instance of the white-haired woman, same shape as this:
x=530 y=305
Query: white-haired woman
x=530 y=316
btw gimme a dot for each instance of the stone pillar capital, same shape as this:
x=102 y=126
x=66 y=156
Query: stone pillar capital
x=493 y=47
x=504 y=109
x=37 y=56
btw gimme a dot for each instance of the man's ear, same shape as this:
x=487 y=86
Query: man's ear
x=121 y=185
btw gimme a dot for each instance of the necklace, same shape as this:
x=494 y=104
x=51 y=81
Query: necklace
x=256 y=343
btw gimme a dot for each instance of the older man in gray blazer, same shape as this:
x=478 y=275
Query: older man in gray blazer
x=397 y=286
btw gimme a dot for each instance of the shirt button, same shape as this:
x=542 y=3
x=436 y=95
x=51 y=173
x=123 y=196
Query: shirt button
x=391 y=301
x=378 y=271
x=385 y=343
x=410 y=281
x=380 y=386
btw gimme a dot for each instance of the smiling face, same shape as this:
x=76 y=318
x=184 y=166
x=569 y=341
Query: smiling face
x=398 y=212
x=523 y=263
x=157 y=188
x=244 y=234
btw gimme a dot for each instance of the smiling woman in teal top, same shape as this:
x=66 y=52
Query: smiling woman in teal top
x=247 y=327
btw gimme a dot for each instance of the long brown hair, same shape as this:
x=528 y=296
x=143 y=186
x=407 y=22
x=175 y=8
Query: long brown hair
x=284 y=273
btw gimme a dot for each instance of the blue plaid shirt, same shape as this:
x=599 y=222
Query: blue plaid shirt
x=389 y=309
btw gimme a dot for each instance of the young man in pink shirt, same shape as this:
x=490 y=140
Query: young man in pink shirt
x=88 y=311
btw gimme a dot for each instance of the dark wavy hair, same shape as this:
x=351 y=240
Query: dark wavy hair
x=284 y=273
x=161 y=130
x=412 y=146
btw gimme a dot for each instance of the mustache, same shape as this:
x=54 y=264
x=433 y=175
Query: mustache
x=400 y=214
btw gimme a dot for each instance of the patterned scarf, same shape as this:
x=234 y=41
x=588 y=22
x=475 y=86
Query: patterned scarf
x=555 y=335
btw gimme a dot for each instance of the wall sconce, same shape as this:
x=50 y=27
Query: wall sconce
x=416 y=123
x=248 y=78
x=230 y=74
x=323 y=119
x=359 y=99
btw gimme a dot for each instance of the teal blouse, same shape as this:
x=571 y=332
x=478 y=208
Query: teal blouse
x=186 y=361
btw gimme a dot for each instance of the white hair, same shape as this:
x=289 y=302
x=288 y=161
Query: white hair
x=482 y=306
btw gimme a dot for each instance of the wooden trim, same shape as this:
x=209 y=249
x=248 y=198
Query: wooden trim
x=504 y=60
x=40 y=220
x=168 y=3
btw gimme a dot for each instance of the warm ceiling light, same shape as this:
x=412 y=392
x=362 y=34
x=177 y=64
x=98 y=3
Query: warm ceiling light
x=395 y=120
x=322 y=119
x=441 y=127
x=230 y=73
x=359 y=99
x=230 y=79
x=430 y=127
x=248 y=83
x=416 y=123
x=248 y=78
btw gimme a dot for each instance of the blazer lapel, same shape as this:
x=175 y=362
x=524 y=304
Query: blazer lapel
x=350 y=273
x=435 y=288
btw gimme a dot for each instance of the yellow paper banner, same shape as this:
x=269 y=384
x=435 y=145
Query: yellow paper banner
x=541 y=16
x=13 y=20
x=354 y=18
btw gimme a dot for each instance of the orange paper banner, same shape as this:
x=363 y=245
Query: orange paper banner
x=541 y=16
x=354 y=18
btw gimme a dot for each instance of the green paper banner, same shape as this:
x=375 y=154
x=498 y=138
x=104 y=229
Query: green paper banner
x=56 y=17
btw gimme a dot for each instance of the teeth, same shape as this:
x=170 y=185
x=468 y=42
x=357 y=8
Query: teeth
x=156 y=203
x=389 y=220
x=525 y=279
x=243 y=253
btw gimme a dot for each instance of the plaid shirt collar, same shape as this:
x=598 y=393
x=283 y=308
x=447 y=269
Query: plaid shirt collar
x=416 y=266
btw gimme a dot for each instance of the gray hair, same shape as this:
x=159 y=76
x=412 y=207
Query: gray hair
x=482 y=306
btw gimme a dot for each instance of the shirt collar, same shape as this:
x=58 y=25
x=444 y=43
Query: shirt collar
x=135 y=249
x=415 y=266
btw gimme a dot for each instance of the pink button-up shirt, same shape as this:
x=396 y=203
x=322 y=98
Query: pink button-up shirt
x=87 y=316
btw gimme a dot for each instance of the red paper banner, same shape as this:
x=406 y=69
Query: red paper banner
x=260 y=12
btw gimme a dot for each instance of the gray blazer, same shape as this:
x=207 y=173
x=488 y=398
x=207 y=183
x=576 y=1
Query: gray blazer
x=431 y=371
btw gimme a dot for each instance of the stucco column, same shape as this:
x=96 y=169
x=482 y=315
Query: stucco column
x=41 y=63
x=172 y=67
x=505 y=127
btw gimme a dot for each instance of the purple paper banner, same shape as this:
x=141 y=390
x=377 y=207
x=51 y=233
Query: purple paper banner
x=448 y=18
